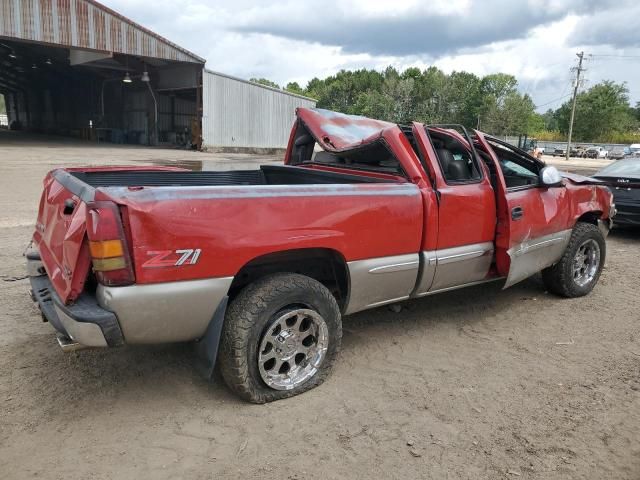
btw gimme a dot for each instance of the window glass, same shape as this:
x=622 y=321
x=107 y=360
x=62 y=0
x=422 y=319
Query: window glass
x=513 y=168
x=517 y=169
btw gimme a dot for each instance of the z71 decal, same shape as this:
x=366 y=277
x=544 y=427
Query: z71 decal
x=172 y=258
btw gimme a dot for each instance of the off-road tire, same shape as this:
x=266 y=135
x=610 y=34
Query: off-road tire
x=252 y=311
x=559 y=277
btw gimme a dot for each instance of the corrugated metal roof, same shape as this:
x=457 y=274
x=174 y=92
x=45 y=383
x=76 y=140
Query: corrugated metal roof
x=284 y=92
x=85 y=24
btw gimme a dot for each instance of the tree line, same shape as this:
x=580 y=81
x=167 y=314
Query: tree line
x=491 y=103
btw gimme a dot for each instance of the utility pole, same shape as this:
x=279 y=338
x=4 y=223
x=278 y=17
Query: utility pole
x=579 y=70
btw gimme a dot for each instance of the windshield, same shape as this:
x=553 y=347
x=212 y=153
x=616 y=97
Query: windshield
x=622 y=168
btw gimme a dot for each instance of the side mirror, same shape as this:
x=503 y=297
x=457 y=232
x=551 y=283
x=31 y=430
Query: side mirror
x=550 y=177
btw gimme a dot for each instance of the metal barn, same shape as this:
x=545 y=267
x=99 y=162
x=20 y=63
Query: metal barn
x=239 y=114
x=79 y=69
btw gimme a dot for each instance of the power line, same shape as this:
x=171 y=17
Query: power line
x=567 y=84
x=615 y=56
x=527 y=87
x=552 y=101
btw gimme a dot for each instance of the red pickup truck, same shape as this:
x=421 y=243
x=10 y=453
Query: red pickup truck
x=259 y=266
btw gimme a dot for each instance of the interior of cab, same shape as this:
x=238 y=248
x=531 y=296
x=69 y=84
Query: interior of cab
x=456 y=162
x=374 y=156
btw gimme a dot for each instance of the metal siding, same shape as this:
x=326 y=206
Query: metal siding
x=245 y=115
x=185 y=111
x=46 y=21
x=136 y=111
x=84 y=24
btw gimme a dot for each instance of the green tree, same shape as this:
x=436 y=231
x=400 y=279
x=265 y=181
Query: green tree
x=536 y=123
x=462 y=99
x=498 y=86
x=601 y=112
x=431 y=99
x=341 y=91
x=503 y=110
x=265 y=81
x=294 y=87
x=550 y=120
x=493 y=101
x=636 y=111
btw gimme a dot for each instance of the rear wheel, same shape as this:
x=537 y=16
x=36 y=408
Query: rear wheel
x=280 y=338
x=579 y=269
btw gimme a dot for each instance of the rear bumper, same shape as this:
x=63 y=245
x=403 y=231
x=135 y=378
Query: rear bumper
x=155 y=313
x=85 y=322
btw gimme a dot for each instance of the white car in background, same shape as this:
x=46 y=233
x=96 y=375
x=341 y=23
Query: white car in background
x=596 y=152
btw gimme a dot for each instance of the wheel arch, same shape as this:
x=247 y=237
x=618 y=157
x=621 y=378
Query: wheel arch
x=591 y=216
x=326 y=265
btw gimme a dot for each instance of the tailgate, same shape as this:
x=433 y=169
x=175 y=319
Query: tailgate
x=60 y=236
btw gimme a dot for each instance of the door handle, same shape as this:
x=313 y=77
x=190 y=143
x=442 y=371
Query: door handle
x=517 y=213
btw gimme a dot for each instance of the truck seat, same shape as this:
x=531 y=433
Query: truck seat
x=454 y=170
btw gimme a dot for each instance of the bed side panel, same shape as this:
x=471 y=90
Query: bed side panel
x=193 y=233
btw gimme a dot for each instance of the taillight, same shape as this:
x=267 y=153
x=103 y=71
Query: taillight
x=108 y=245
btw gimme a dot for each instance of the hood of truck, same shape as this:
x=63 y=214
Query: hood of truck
x=581 y=179
x=337 y=131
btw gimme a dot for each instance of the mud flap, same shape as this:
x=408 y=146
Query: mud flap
x=207 y=346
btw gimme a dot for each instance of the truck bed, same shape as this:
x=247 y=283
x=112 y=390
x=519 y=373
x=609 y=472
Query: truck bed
x=267 y=175
x=230 y=216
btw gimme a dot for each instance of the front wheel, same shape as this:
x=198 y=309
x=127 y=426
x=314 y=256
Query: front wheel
x=580 y=267
x=280 y=338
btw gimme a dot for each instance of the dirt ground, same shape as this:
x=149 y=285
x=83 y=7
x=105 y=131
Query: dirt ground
x=474 y=384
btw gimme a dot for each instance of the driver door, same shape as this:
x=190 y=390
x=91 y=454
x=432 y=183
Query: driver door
x=466 y=226
x=532 y=229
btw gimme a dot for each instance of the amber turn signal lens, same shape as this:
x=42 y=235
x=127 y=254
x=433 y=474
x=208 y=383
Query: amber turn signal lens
x=106 y=249
x=108 y=264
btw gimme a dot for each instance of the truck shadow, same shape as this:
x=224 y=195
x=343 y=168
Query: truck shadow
x=455 y=308
x=166 y=374
x=625 y=233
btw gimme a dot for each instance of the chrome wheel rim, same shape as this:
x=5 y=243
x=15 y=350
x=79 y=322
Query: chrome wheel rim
x=586 y=262
x=292 y=349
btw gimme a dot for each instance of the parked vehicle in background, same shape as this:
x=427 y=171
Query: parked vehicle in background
x=259 y=266
x=530 y=145
x=634 y=149
x=623 y=178
x=596 y=152
x=578 y=152
x=619 y=153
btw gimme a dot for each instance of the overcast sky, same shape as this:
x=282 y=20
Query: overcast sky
x=535 y=40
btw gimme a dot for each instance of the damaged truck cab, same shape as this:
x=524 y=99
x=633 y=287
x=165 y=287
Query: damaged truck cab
x=258 y=267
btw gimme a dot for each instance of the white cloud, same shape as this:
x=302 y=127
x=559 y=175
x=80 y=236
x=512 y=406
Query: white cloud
x=246 y=38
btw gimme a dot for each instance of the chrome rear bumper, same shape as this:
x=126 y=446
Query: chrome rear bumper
x=84 y=323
